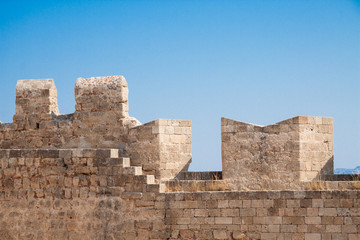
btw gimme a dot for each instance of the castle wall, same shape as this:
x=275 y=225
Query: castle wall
x=101 y=120
x=278 y=156
x=264 y=215
x=76 y=194
x=95 y=194
x=162 y=147
x=316 y=148
x=35 y=101
x=70 y=176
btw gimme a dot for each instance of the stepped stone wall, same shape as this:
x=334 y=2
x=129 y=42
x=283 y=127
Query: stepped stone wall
x=76 y=194
x=95 y=194
x=101 y=120
x=99 y=174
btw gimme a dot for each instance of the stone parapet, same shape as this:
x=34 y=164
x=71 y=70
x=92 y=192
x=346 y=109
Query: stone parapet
x=105 y=95
x=101 y=118
x=277 y=156
x=36 y=101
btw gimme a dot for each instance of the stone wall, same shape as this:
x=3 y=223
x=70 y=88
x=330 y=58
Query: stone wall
x=277 y=215
x=101 y=120
x=278 y=156
x=36 y=101
x=76 y=194
x=95 y=194
x=162 y=147
x=100 y=174
x=316 y=147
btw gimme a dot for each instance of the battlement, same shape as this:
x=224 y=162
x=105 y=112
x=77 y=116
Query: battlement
x=102 y=94
x=98 y=173
x=36 y=100
x=276 y=156
x=101 y=120
x=280 y=155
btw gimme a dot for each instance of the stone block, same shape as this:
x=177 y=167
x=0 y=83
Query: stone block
x=223 y=220
x=220 y=234
x=313 y=220
x=333 y=228
x=273 y=236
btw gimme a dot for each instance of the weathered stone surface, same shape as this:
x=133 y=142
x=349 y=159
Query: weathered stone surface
x=278 y=156
x=99 y=174
x=101 y=120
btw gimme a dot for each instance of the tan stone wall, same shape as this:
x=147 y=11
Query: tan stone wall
x=101 y=120
x=175 y=146
x=316 y=147
x=95 y=194
x=76 y=194
x=36 y=101
x=68 y=176
x=258 y=157
x=277 y=156
x=162 y=147
x=264 y=215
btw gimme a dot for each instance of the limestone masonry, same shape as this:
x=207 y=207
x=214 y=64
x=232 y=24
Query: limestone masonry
x=100 y=174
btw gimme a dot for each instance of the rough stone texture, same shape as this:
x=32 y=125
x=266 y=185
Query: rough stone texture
x=70 y=176
x=101 y=120
x=76 y=194
x=102 y=94
x=95 y=194
x=162 y=147
x=36 y=100
x=264 y=215
x=278 y=156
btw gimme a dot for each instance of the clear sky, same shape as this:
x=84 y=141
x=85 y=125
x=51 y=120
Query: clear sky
x=253 y=61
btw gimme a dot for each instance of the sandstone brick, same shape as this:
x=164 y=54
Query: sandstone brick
x=333 y=228
x=288 y=228
x=229 y=212
x=313 y=220
x=183 y=220
x=312 y=212
x=269 y=236
x=316 y=228
x=312 y=236
x=237 y=235
x=223 y=203
x=273 y=220
x=223 y=220
x=354 y=236
x=331 y=203
x=293 y=220
x=220 y=234
x=293 y=203
x=349 y=229
x=327 y=212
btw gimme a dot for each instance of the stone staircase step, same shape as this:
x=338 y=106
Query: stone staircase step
x=156 y=188
x=133 y=170
x=126 y=162
x=112 y=162
x=148 y=179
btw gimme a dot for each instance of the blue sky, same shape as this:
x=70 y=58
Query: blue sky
x=253 y=61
